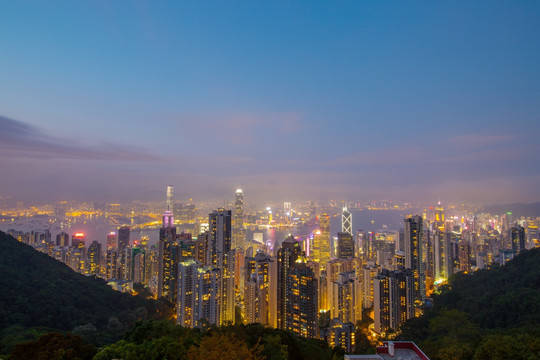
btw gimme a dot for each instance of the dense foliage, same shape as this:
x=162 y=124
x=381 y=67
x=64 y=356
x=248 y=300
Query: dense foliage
x=162 y=340
x=41 y=294
x=489 y=314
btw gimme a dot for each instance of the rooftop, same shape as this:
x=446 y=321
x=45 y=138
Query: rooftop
x=402 y=350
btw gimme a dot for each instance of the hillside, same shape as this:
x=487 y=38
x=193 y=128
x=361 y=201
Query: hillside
x=488 y=314
x=39 y=291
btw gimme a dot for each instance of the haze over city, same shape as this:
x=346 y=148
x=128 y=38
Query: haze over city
x=406 y=101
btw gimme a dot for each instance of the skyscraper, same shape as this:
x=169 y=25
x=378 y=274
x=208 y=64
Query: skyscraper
x=123 y=237
x=286 y=257
x=321 y=241
x=111 y=240
x=198 y=294
x=302 y=302
x=77 y=240
x=346 y=221
x=256 y=288
x=221 y=256
x=238 y=227
x=94 y=257
x=517 y=235
x=345 y=245
x=413 y=255
x=393 y=299
x=62 y=239
x=167 y=253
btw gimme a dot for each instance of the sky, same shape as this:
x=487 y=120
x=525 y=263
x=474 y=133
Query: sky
x=289 y=100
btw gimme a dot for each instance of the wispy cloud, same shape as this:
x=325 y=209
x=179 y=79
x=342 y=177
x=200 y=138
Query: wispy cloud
x=19 y=139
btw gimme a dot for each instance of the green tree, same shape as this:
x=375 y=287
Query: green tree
x=55 y=346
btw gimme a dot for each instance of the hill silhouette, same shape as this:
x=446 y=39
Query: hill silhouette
x=39 y=292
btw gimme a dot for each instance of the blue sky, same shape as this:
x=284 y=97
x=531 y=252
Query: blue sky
x=289 y=100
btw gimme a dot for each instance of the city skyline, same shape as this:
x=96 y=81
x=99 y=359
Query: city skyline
x=288 y=101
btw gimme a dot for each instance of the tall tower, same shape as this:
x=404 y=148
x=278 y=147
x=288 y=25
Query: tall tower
x=439 y=217
x=517 y=235
x=220 y=255
x=238 y=227
x=346 y=221
x=393 y=303
x=167 y=253
x=256 y=288
x=414 y=260
x=302 y=301
x=345 y=245
x=94 y=257
x=168 y=218
x=169 y=204
x=123 y=237
x=321 y=241
x=286 y=257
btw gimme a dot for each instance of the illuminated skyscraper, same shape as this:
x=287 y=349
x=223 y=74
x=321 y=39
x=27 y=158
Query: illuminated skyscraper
x=439 y=217
x=517 y=235
x=346 y=222
x=198 y=294
x=347 y=298
x=167 y=253
x=221 y=256
x=321 y=241
x=111 y=241
x=302 y=302
x=256 y=288
x=62 y=239
x=345 y=245
x=238 y=226
x=94 y=257
x=123 y=237
x=286 y=257
x=393 y=299
x=111 y=264
x=77 y=240
x=413 y=255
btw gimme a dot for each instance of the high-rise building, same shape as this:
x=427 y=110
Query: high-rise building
x=414 y=259
x=464 y=254
x=321 y=241
x=221 y=256
x=256 y=288
x=393 y=299
x=345 y=245
x=167 y=253
x=123 y=237
x=302 y=292
x=187 y=293
x=94 y=257
x=111 y=240
x=238 y=226
x=517 y=235
x=77 y=240
x=62 y=239
x=347 y=298
x=198 y=294
x=125 y=264
x=346 y=221
x=111 y=264
x=286 y=257
x=440 y=222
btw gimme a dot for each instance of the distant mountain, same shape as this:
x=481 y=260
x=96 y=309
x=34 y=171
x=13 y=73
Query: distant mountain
x=39 y=291
x=517 y=210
